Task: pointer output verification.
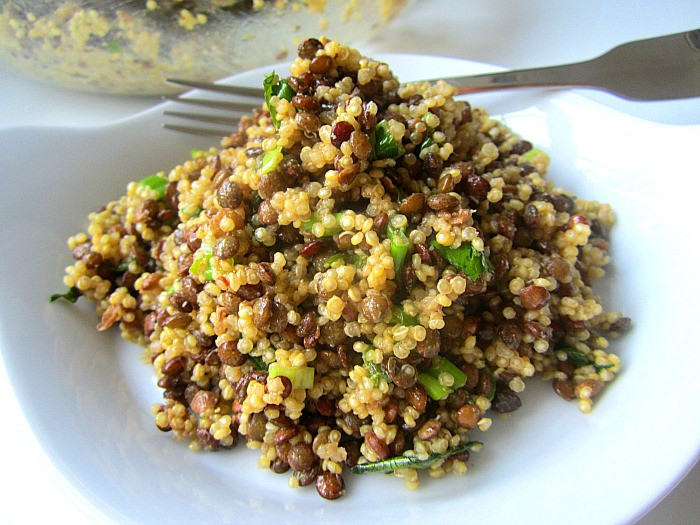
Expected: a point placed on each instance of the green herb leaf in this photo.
(274, 86)
(286, 91)
(376, 371)
(333, 258)
(385, 147)
(492, 392)
(425, 144)
(258, 363)
(579, 359)
(424, 118)
(466, 259)
(71, 295)
(157, 183)
(391, 464)
(576, 357)
(401, 317)
(124, 265)
(113, 47)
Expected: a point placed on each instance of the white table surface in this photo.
(503, 32)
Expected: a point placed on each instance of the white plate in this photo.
(86, 394)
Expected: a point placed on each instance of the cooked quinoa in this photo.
(360, 281)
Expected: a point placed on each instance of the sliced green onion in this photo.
(300, 376)
(430, 379)
(270, 160)
(71, 295)
(309, 225)
(202, 262)
(274, 86)
(466, 258)
(157, 183)
(440, 365)
(170, 289)
(533, 154)
(399, 246)
(192, 211)
(391, 464)
(385, 147)
(197, 154)
(433, 387)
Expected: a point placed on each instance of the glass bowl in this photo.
(132, 46)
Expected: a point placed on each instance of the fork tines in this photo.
(236, 109)
(217, 104)
(229, 122)
(219, 88)
(212, 119)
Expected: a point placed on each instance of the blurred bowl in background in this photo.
(132, 46)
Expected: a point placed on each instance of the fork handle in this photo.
(661, 68)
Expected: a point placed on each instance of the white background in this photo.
(507, 33)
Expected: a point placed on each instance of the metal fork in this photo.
(660, 68)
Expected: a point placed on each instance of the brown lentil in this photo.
(377, 445)
(305, 103)
(226, 247)
(267, 214)
(564, 389)
(341, 132)
(320, 64)
(374, 307)
(430, 346)
(301, 457)
(442, 201)
(468, 416)
(229, 194)
(412, 204)
(534, 297)
(417, 398)
(330, 486)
